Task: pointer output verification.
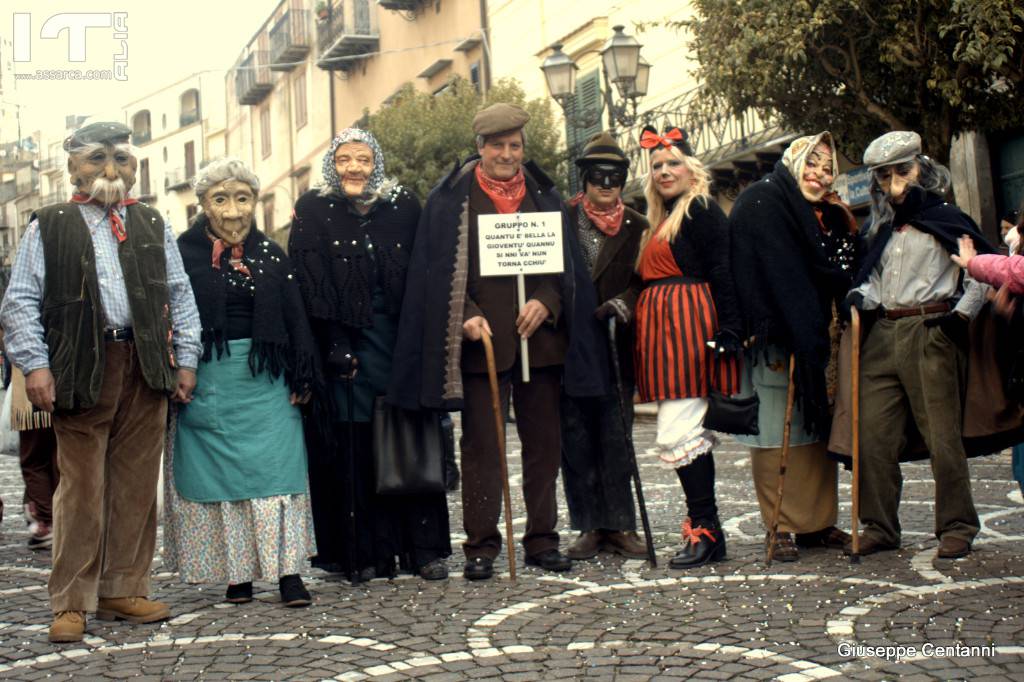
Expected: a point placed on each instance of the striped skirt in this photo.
(674, 321)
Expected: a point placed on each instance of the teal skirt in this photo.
(240, 438)
(771, 381)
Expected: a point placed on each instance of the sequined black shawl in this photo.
(788, 273)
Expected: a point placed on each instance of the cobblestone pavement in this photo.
(609, 618)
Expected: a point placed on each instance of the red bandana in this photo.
(237, 251)
(506, 194)
(116, 224)
(608, 220)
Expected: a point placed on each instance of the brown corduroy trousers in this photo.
(37, 449)
(104, 510)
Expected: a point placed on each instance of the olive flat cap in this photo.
(602, 148)
(499, 118)
(103, 132)
(898, 146)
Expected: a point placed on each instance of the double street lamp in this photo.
(621, 65)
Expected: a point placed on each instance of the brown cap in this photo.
(602, 148)
(499, 118)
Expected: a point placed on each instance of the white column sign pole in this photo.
(521, 244)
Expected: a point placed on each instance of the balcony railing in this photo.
(725, 143)
(177, 178)
(51, 164)
(252, 80)
(400, 5)
(350, 31)
(54, 198)
(26, 188)
(141, 136)
(188, 118)
(289, 40)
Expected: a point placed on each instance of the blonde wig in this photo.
(666, 226)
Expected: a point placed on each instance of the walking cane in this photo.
(855, 444)
(786, 426)
(350, 390)
(499, 424)
(630, 450)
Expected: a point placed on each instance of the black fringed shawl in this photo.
(337, 273)
(788, 274)
(282, 342)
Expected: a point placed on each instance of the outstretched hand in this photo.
(967, 252)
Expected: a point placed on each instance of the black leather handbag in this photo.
(727, 414)
(408, 450)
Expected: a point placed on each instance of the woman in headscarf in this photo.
(793, 258)
(236, 501)
(350, 241)
(687, 301)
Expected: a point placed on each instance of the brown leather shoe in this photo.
(585, 546)
(868, 545)
(831, 537)
(132, 609)
(785, 548)
(953, 548)
(625, 543)
(68, 626)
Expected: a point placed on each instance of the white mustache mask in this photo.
(108, 192)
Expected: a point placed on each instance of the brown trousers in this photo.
(37, 449)
(906, 369)
(105, 506)
(537, 422)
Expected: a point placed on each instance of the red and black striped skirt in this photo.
(674, 322)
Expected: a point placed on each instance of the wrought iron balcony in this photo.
(399, 5)
(188, 118)
(177, 179)
(350, 30)
(27, 188)
(51, 164)
(252, 80)
(289, 40)
(735, 148)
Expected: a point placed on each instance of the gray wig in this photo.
(933, 177)
(220, 170)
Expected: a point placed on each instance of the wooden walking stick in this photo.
(630, 449)
(786, 427)
(855, 444)
(499, 424)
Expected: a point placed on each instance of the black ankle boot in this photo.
(703, 543)
(239, 593)
(293, 592)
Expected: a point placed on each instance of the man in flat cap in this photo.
(596, 469)
(917, 307)
(448, 306)
(100, 317)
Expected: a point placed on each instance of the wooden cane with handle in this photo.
(786, 427)
(499, 424)
(855, 442)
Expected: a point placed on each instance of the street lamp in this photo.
(621, 64)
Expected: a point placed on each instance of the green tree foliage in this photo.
(423, 135)
(862, 67)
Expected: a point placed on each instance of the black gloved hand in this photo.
(854, 299)
(341, 363)
(953, 325)
(727, 341)
(613, 306)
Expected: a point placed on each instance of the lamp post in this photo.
(621, 65)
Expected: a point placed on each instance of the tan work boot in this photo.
(585, 546)
(624, 542)
(68, 626)
(132, 609)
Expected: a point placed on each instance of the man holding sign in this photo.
(494, 256)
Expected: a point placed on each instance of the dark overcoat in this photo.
(427, 363)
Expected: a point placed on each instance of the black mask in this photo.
(605, 175)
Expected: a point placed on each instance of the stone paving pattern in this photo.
(608, 619)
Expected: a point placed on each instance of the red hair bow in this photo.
(650, 139)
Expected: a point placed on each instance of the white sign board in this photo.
(520, 243)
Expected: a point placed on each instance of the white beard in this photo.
(108, 192)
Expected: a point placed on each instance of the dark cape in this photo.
(282, 342)
(929, 213)
(427, 370)
(787, 282)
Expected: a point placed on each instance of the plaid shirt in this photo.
(21, 310)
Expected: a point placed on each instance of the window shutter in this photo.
(587, 102)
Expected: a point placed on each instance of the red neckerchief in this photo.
(506, 194)
(116, 224)
(237, 251)
(608, 220)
